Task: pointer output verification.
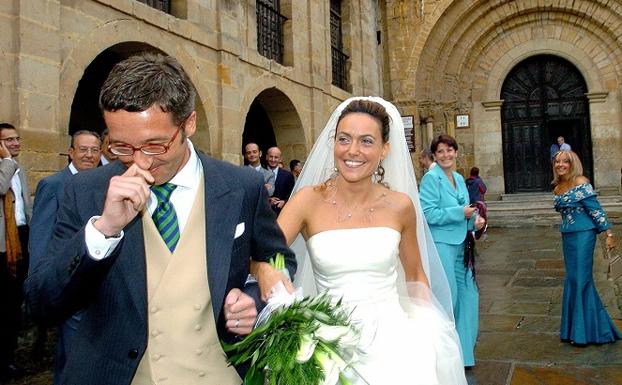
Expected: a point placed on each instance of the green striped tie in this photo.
(164, 215)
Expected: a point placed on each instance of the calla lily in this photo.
(307, 347)
(330, 368)
(350, 339)
(329, 333)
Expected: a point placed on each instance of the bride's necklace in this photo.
(345, 211)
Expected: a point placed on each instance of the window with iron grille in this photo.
(270, 29)
(339, 58)
(161, 5)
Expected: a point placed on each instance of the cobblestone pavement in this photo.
(520, 273)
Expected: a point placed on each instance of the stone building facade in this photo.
(55, 54)
(524, 71)
(521, 71)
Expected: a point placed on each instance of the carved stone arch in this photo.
(276, 106)
(579, 58)
(123, 34)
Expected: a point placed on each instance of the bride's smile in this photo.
(359, 147)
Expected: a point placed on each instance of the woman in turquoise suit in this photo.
(445, 203)
(584, 318)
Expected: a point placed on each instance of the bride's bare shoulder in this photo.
(308, 194)
(402, 201)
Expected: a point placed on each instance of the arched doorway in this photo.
(272, 120)
(85, 113)
(543, 98)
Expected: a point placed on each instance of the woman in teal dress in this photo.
(584, 318)
(445, 203)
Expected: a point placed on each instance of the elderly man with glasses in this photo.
(157, 250)
(84, 153)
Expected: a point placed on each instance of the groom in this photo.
(156, 250)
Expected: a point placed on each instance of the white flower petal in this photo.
(329, 367)
(307, 347)
(329, 333)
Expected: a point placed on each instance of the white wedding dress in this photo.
(402, 342)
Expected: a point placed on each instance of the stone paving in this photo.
(520, 274)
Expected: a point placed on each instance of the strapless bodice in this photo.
(357, 263)
(397, 338)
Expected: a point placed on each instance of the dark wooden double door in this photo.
(543, 98)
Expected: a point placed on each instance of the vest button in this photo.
(199, 352)
(201, 374)
(197, 307)
(156, 357)
(133, 354)
(197, 327)
(154, 309)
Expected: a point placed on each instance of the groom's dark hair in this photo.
(148, 79)
(371, 108)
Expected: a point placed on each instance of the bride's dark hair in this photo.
(377, 112)
(373, 109)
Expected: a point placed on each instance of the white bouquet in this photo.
(305, 341)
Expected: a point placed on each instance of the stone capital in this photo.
(492, 105)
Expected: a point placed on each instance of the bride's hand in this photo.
(268, 277)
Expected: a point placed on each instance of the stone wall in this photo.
(453, 58)
(48, 44)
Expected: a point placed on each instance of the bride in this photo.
(356, 205)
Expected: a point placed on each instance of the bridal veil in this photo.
(400, 176)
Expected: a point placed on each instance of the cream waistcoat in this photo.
(183, 347)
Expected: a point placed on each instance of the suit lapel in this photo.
(133, 265)
(131, 259)
(444, 181)
(222, 206)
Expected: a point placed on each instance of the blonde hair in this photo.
(576, 168)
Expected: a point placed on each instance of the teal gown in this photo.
(584, 317)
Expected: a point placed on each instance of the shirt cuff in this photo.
(98, 245)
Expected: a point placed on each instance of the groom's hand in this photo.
(126, 196)
(240, 312)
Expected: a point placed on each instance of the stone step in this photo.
(540, 211)
(526, 197)
(547, 196)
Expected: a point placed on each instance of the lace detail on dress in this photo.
(580, 209)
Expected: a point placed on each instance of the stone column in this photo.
(605, 124)
(488, 144)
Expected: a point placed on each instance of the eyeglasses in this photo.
(147, 149)
(16, 139)
(85, 150)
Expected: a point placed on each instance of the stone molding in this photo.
(492, 105)
(597, 97)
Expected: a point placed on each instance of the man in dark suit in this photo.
(284, 180)
(15, 213)
(84, 152)
(252, 154)
(156, 251)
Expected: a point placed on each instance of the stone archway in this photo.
(85, 113)
(466, 50)
(272, 120)
(543, 98)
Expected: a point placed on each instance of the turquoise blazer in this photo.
(443, 206)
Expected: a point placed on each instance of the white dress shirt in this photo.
(182, 199)
(73, 169)
(16, 186)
